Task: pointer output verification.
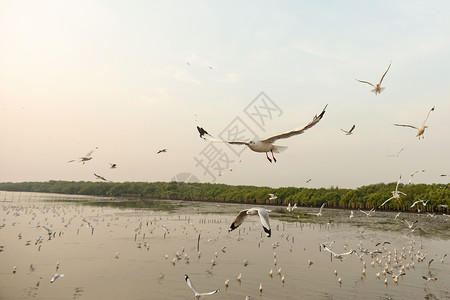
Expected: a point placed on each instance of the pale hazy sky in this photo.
(75, 75)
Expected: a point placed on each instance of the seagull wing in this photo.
(405, 125)
(89, 153)
(386, 201)
(209, 138)
(320, 210)
(208, 293)
(264, 217)
(297, 131)
(239, 219)
(189, 283)
(347, 132)
(353, 127)
(382, 77)
(398, 182)
(365, 82)
(428, 116)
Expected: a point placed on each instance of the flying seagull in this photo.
(396, 155)
(85, 158)
(197, 294)
(265, 145)
(421, 129)
(263, 216)
(112, 166)
(350, 131)
(339, 256)
(320, 210)
(100, 177)
(56, 276)
(368, 214)
(273, 196)
(412, 175)
(161, 151)
(395, 194)
(410, 225)
(377, 89)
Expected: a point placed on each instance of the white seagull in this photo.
(339, 256)
(398, 153)
(368, 214)
(56, 276)
(273, 196)
(100, 177)
(350, 131)
(265, 145)
(85, 158)
(410, 225)
(263, 216)
(412, 175)
(320, 210)
(421, 129)
(424, 202)
(377, 89)
(197, 294)
(395, 194)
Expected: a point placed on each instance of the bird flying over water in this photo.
(421, 129)
(350, 131)
(85, 158)
(265, 145)
(263, 216)
(395, 194)
(56, 276)
(197, 294)
(100, 177)
(377, 89)
(162, 151)
(412, 175)
(396, 155)
(320, 210)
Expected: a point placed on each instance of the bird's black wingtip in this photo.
(201, 131)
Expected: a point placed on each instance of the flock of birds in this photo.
(385, 260)
(392, 262)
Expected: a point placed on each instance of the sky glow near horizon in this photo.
(114, 75)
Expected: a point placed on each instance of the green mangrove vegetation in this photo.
(364, 197)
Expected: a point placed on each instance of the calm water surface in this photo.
(125, 256)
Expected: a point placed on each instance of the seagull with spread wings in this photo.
(421, 129)
(350, 131)
(85, 158)
(339, 256)
(320, 210)
(263, 216)
(412, 175)
(377, 89)
(395, 194)
(197, 294)
(100, 177)
(265, 145)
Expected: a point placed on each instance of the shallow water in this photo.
(141, 271)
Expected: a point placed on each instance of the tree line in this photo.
(365, 197)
